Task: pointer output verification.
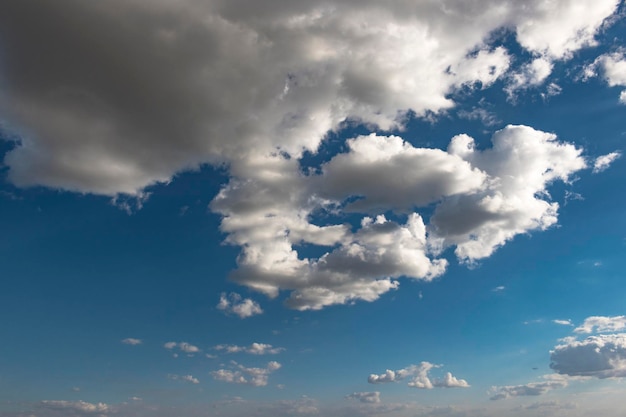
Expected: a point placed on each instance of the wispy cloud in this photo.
(132, 341)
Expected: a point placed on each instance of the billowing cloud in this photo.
(530, 389)
(182, 346)
(602, 324)
(253, 349)
(239, 374)
(253, 87)
(132, 341)
(603, 162)
(602, 356)
(233, 303)
(365, 397)
(419, 377)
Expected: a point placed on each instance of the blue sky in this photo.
(312, 208)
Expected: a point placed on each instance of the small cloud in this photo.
(530, 389)
(76, 407)
(499, 288)
(186, 378)
(602, 324)
(253, 349)
(132, 341)
(182, 346)
(622, 97)
(76, 389)
(603, 162)
(239, 374)
(233, 303)
(536, 321)
(365, 397)
(563, 322)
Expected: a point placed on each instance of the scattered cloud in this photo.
(365, 397)
(233, 303)
(185, 378)
(239, 374)
(132, 341)
(567, 322)
(182, 346)
(532, 388)
(418, 377)
(602, 324)
(254, 349)
(602, 356)
(603, 162)
(76, 408)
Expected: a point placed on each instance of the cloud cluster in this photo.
(253, 349)
(181, 84)
(418, 377)
(256, 377)
(532, 388)
(186, 378)
(602, 324)
(602, 356)
(76, 408)
(233, 303)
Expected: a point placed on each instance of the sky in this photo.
(318, 208)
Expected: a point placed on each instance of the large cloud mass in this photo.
(602, 356)
(110, 97)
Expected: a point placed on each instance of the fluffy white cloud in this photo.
(186, 378)
(365, 397)
(602, 356)
(531, 74)
(532, 388)
(603, 162)
(182, 346)
(418, 377)
(239, 374)
(233, 303)
(132, 341)
(254, 349)
(602, 324)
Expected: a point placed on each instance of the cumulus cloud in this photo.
(602, 356)
(602, 324)
(180, 84)
(365, 397)
(239, 374)
(418, 377)
(530, 389)
(603, 162)
(132, 341)
(254, 349)
(233, 303)
(185, 378)
(182, 346)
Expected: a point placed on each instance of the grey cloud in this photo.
(530, 389)
(365, 397)
(602, 356)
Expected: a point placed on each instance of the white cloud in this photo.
(182, 346)
(233, 303)
(567, 322)
(603, 162)
(531, 74)
(132, 341)
(499, 288)
(186, 378)
(622, 97)
(365, 397)
(77, 407)
(530, 389)
(239, 374)
(254, 349)
(602, 356)
(419, 377)
(602, 324)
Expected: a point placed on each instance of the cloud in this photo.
(256, 377)
(76, 408)
(186, 378)
(180, 84)
(562, 322)
(234, 304)
(365, 397)
(603, 162)
(602, 324)
(530, 389)
(531, 74)
(419, 377)
(602, 356)
(254, 349)
(499, 288)
(132, 341)
(182, 346)
(622, 97)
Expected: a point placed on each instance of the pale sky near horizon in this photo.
(320, 208)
